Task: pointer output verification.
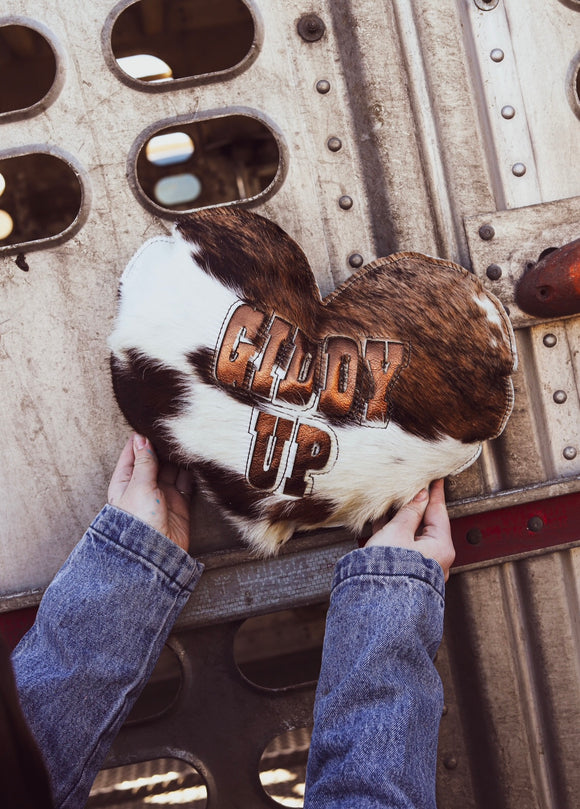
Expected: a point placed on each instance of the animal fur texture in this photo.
(296, 412)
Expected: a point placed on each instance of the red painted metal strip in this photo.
(523, 529)
(14, 625)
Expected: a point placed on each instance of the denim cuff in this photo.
(133, 535)
(390, 561)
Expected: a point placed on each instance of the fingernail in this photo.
(422, 495)
(139, 442)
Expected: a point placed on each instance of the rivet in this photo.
(486, 5)
(508, 112)
(493, 272)
(518, 169)
(355, 260)
(474, 536)
(497, 55)
(323, 86)
(535, 524)
(570, 453)
(334, 144)
(311, 28)
(550, 340)
(450, 762)
(486, 232)
(345, 203)
(560, 396)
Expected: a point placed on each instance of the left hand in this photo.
(422, 525)
(159, 496)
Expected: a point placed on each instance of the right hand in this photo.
(422, 525)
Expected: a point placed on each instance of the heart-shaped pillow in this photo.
(296, 412)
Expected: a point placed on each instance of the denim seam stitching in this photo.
(389, 575)
(148, 562)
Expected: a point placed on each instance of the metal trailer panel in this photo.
(422, 104)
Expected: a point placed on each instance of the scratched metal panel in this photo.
(427, 157)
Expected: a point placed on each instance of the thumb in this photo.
(146, 465)
(410, 516)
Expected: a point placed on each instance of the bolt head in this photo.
(311, 28)
(496, 55)
(570, 453)
(508, 112)
(323, 86)
(493, 272)
(355, 260)
(535, 524)
(345, 202)
(450, 762)
(518, 169)
(474, 536)
(334, 144)
(486, 232)
(550, 340)
(560, 396)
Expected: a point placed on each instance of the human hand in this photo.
(159, 496)
(426, 511)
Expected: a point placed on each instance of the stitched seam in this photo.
(414, 576)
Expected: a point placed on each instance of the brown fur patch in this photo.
(230, 490)
(307, 510)
(257, 259)
(455, 383)
(146, 393)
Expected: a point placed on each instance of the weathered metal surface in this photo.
(551, 288)
(433, 111)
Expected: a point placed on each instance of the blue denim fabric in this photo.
(100, 628)
(379, 698)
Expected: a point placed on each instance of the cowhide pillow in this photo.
(297, 412)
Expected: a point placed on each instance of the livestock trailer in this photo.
(363, 128)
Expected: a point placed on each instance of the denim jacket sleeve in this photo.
(100, 628)
(379, 698)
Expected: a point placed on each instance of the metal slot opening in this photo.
(192, 38)
(209, 162)
(283, 648)
(283, 767)
(27, 66)
(163, 781)
(162, 688)
(41, 198)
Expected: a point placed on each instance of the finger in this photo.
(123, 471)
(410, 516)
(436, 516)
(146, 465)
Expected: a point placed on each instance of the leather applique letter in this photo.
(340, 356)
(240, 342)
(272, 435)
(265, 379)
(384, 359)
(312, 454)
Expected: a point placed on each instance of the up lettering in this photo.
(272, 433)
(312, 455)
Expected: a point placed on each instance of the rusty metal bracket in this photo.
(504, 244)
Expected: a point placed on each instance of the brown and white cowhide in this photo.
(296, 412)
